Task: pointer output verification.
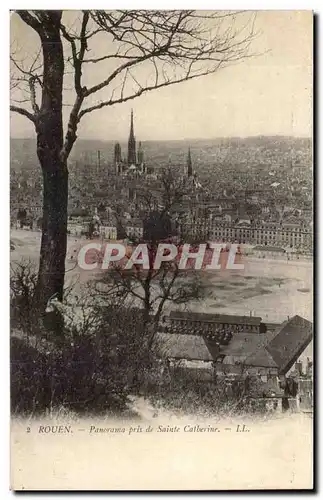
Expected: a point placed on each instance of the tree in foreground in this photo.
(140, 51)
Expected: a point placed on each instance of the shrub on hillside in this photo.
(89, 372)
(23, 280)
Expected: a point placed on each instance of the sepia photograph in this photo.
(161, 250)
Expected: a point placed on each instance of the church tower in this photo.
(132, 160)
(140, 154)
(117, 153)
(117, 158)
(189, 166)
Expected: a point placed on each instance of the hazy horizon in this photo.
(218, 138)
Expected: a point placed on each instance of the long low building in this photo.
(267, 233)
(268, 354)
(201, 323)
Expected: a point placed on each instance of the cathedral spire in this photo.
(131, 144)
(131, 123)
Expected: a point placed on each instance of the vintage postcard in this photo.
(161, 242)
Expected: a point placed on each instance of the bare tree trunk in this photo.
(49, 129)
(54, 233)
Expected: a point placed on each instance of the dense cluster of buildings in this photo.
(279, 357)
(277, 236)
(223, 206)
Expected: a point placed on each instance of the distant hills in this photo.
(23, 151)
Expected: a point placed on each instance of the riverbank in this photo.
(266, 287)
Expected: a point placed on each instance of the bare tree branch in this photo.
(168, 47)
(175, 38)
(31, 20)
(23, 112)
(141, 91)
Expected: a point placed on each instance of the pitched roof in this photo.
(261, 358)
(290, 342)
(244, 344)
(191, 347)
(267, 350)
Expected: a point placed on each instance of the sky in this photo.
(270, 94)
